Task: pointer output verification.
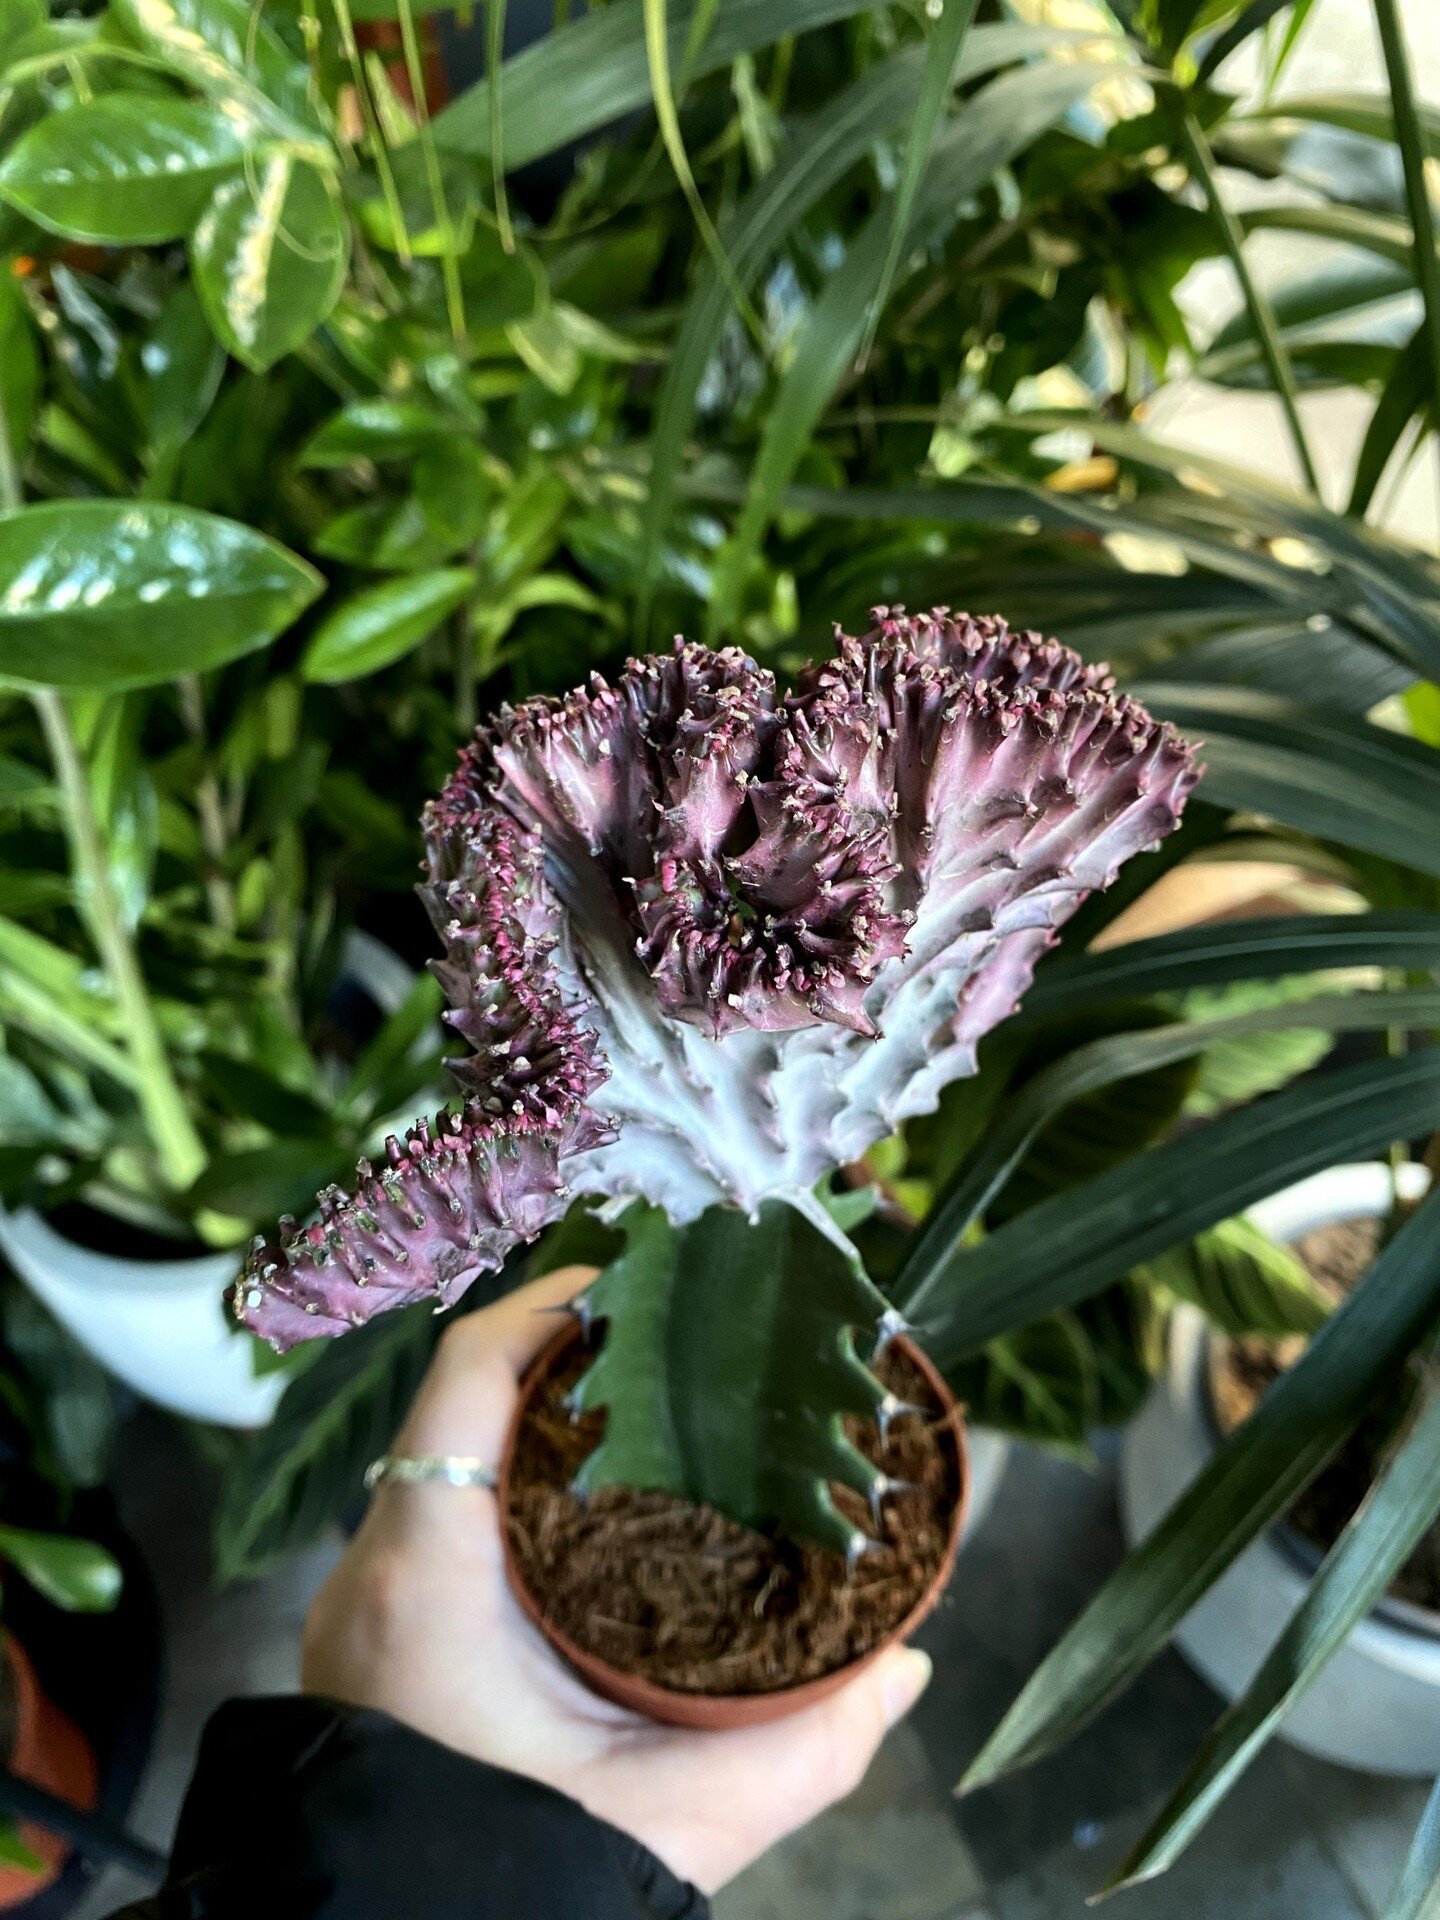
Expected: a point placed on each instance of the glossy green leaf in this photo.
(1068, 1248)
(939, 1260)
(1212, 956)
(1399, 1509)
(1250, 1480)
(375, 430)
(1243, 1281)
(592, 71)
(123, 169)
(269, 256)
(116, 593)
(729, 1364)
(1417, 1893)
(74, 1574)
(181, 364)
(230, 49)
(1326, 774)
(381, 624)
(19, 368)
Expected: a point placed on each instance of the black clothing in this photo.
(301, 1809)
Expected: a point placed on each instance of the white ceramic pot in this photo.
(160, 1325)
(989, 1450)
(1376, 1706)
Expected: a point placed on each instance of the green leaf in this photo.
(381, 624)
(123, 169)
(229, 49)
(270, 254)
(1417, 1896)
(1242, 1280)
(116, 593)
(254, 1094)
(1398, 1510)
(74, 1574)
(74, 1400)
(306, 1468)
(376, 430)
(938, 1255)
(1326, 774)
(1250, 1480)
(257, 1183)
(1065, 1249)
(994, 125)
(1404, 395)
(19, 368)
(593, 71)
(1212, 956)
(728, 1365)
(181, 364)
(941, 56)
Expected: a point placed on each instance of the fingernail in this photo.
(907, 1674)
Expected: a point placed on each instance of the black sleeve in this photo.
(301, 1809)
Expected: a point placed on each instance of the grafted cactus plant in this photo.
(706, 941)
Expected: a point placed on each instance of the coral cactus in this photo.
(706, 940)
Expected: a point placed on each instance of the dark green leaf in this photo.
(123, 169)
(1212, 956)
(115, 593)
(1326, 774)
(74, 1574)
(1250, 1480)
(1401, 1506)
(258, 1183)
(379, 625)
(270, 254)
(181, 364)
(229, 49)
(1405, 393)
(306, 1468)
(1068, 1248)
(1417, 1896)
(1242, 1280)
(375, 430)
(591, 72)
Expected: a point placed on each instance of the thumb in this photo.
(833, 1744)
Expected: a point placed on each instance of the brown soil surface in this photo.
(1240, 1370)
(662, 1587)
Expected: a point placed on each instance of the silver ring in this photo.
(450, 1469)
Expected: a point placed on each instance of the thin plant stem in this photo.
(449, 265)
(210, 809)
(166, 1115)
(389, 191)
(1262, 317)
(1412, 155)
(494, 60)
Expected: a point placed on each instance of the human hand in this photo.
(418, 1620)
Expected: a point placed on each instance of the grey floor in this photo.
(1298, 1840)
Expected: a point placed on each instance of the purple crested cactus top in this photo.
(706, 941)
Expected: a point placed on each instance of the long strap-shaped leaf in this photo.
(1251, 1479)
(1417, 1896)
(1402, 397)
(595, 71)
(1400, 1508)
(1213, 956)
(1070, 1246)
(1398, 585)
(1326, 774)
(1121, 1056)
(990, 129)
(1410, 140)
(942, 54)
(819, 152)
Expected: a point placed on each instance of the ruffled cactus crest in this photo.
(706, 940)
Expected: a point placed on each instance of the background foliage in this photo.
(354, 380)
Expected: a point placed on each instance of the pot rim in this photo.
(673, 1705)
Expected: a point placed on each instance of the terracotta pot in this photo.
(49, 1751)
(711, 1710)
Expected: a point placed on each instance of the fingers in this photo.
(467, 1397)
(761, 1783)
